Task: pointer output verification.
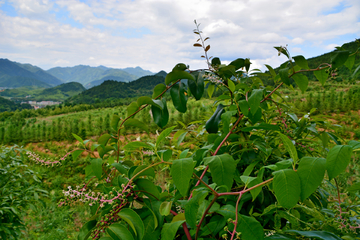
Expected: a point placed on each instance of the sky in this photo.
(158, 34)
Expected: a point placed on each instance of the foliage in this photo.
(8, 105)
(18, 189)
(253, 170)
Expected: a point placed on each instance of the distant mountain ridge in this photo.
(13, 74)
(92, 76)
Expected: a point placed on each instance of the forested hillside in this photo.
(7, 105)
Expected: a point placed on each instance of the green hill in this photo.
(114, 90)
(9, 106)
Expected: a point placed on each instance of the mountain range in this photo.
(14, 75)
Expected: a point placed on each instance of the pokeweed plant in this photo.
(256, 170)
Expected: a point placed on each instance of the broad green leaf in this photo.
(284, 75)
(147, 100)
(338, 58)
(302, 81)
(176, 75)
(231, 85)
(148, 187)
(322, 75)
(132, 122)
(215, 62)
(165, 208)
(178, 97)
(244, 107)
(134, 221)
(120, 168)
(222, 169)
(238, 63)
(140, 170)
(354, 187)
(169, 230)
(179, 137)
(75, 154)
(254, 118)
(354, 144)
(115, 122)
(287, 187)
(160, 116)
(85, 230)
(228, 211)
(278, 236)
(192, 206)
(271, 70)
(350, 61)
(355, 73)
(179, 217)
(301, 62)
(211, 89)
(150, 233)
(181, 172)
(254, 100)
(132, 108)
(337, 160)
(104, 139)
(289, 146)
(158, 89)
(212, 125)
(78, 138)
(250, 228)
(226, 118)
(316, 234)
(119, 232)
(131, 146)
(256, 191)
(311, 172)
(197, 87)
(96, 165)
(163, 135)
(180, 67)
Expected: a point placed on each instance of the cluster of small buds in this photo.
(149, 153)
(345, 222)
(213, 78)
(50, 163)
(90, 197)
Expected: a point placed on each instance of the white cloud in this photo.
(237, 28)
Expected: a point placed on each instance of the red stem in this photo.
(184, 226)
(236, 217)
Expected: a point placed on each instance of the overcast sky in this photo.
(157, 34)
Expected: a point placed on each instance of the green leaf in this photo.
(250, 228)
(338, 58)
(254, 100)
(337, 160)
(96, 165)
(148, 186)
(350, 61)
(287, 187)
(244, 107)
(75, 154)
(161, 116)
(169, 230)
(78, 138)
(115, 122)
(222, 169)
(131, 146)
(158, 89)
(150, 225)
(163, 135)
(120, 168)
(289, 146)
(165, 208)
(231, 85)
(197, 87)
(322, 75)
(354, 187)
(132, 122)
(181, 172)
(311, 172)
(119, 232)
(134, 221)
(132, 108)
(284, 75)
(176, 75)
(316, 234)
(179, 137)
(104, 139)
(147, 100)
(178, 97)
(148, 172)
(211, 89)
(301, 61)
(85, 230)
(302, 81)
(215, 62)
(192, 206)
(212, 125)
(271, 70)
(238, 63)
